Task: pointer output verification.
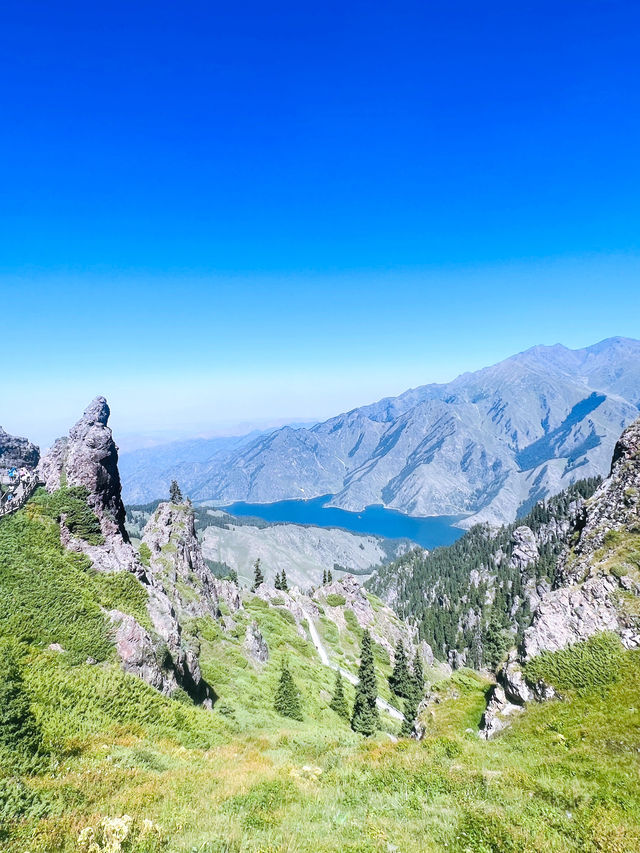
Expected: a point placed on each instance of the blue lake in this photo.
(429, 532)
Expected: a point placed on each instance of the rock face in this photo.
(17, 452)
(383, 624)
(255, 644)
(590, 599)
(525, 549)
(176, 562)
(137, 653)
(89, 458)
(599, 584)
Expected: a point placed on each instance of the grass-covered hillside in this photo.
(95, 760)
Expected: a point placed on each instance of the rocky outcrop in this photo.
(89, 458)
(176, 563)
(163, 657)
(508, 697)
(17, 452)
(137, 653)
(594, 573)
(385, 627)
(255, 644)
(525, 548)
(615, 506)
(599, 581)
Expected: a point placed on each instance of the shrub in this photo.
(79, 518)
(352, 622)
(335, 600)
(145, 554)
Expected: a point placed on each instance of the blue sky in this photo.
(217, 214)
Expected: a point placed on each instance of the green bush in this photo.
(145, 554)
(71, 502)
(596, 661)
(335, 600)
(352, 622)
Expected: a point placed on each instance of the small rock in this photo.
(255, 644)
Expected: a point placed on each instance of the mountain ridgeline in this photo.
(488, 445)
(475, 598)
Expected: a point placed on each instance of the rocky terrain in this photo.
(485, 586)
(17, 452)
(597, 588)
(487, 445)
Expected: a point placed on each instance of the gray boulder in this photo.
(525, 549)
(255, 644)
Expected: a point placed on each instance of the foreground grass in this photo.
(564, 777)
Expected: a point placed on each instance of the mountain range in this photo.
(485, 446)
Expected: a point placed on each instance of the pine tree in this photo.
(277, 582)
(418, 674)
(494, 641)
(284, 585)
(174, 493)
(258, 577)
(400, 679)
(324, 577)
(339, 701)
(410, 713)
(329, 576)
(365, 714)
(287, 701)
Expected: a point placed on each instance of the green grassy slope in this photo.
(241, 778)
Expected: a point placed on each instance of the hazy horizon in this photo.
(130, 438)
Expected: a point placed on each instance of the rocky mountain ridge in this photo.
(487, 445)
(597, 586)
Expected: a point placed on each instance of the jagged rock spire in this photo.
(89, 457)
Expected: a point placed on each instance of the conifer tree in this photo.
(284, 585)
(287, 701)
(494, 641)
(174, 493)
(400, 680)
(324, 577)
(277, 582)
(365, 714)
(413, 700)
(258, 577)
(329, 576)
(410, 713)
(339, 701)
(418, 674)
